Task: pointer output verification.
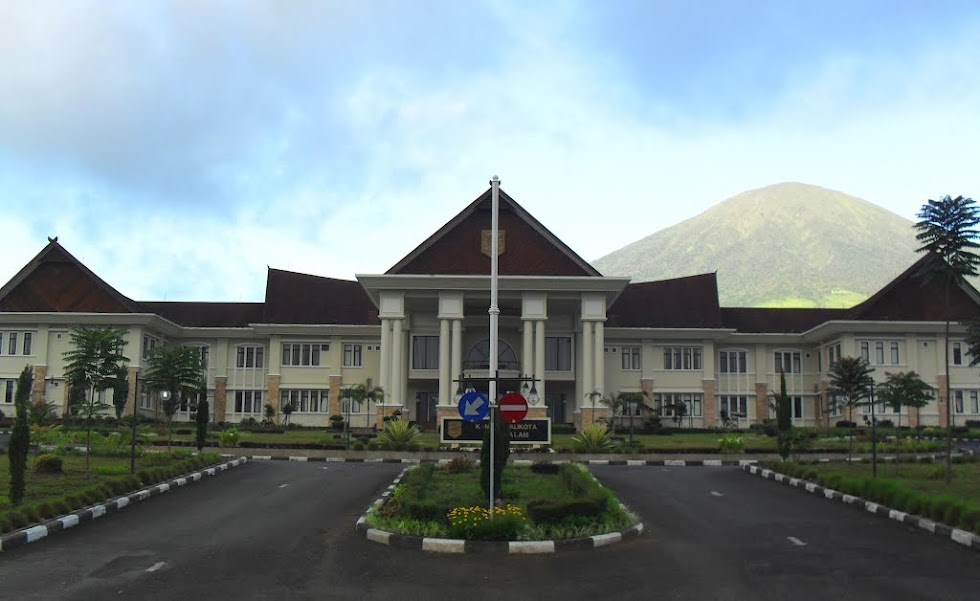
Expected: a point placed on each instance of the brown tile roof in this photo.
(777, 321)
(529, 247)
(207, 315)
(55, 281)
(689, 302)
(307, 299)
(909, 298)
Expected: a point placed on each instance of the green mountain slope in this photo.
(787, 245)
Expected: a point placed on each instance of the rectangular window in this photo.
(8, 395)
(205, 357)
(425, 352)
(251, 356)
(874, 352)
(974, 402)
(865, 353)
(957, 354)
(305, 401)
(558, 353)
(880, 353)
(631, 358)
(248, 401)
(788, 362)
(819, 362)
(957, 401)
(352, 355)
(678, 404)
(28, 339)
(734, 405)
(797, 407)
(894, 353)
(733, 362)
(303, 355)
(12, 344)
(682, 358)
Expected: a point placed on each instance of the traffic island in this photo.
(464, 517)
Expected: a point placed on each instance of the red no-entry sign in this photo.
(513, 407)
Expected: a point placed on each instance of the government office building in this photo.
(422, 326)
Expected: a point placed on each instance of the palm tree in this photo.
(178, 371)
(947, 229)
(367, 392)
(850, 386)
(91, 365)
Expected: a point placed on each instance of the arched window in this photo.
(479, 356)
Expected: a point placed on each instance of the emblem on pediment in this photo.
(485, 242)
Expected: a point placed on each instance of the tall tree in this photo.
(20, 439)
(177, 371)
(850, 386)
(905, 389)
(784, 418)
(947, 228)
(91, 364)
(120, 390)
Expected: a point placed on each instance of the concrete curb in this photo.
(967, 539)
(410, 461)
(36, 532)
(446, 545)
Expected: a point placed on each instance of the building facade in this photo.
(422, 328)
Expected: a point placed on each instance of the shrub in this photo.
(49, 463)
(459, 465)
(229, 437)
(593, 438)
(477, 523)
(398, 435)
(731, 443)
(843, 423)
(548, 511)
(545, 468)
(886, 423)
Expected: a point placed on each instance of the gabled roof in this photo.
(529, 248)
(908, 298)
(751, 320)
(206, 315)
(689, 302)
(55, 281)
(297, 298)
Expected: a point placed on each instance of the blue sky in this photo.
(180, 148)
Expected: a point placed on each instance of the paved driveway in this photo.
(277, 530)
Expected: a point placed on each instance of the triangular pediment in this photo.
(462, 246)
(910, 297)
(55, 281)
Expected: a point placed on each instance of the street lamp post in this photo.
(347, 410)
(132, 439)
(632, 409)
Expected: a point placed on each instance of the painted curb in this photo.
(413, 461)
(34, 533)
(448, 545)
(962, 537)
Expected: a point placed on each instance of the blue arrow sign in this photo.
(473, 406)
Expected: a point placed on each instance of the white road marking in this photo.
(323, 468)
(796, 541)
(716, 493)
(156, 566)
(283, 485)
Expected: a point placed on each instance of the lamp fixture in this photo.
(532, 396)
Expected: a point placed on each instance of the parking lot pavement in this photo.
(283, 530)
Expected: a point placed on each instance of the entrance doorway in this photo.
(556, 406)
(425, 409)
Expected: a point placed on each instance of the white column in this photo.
(527, 357)
(384, 379)
(445, 378)
(600, 358)
(457, 345)
(396, 362)
(588, 364)
(539, 355)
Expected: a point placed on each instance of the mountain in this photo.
(787, 245)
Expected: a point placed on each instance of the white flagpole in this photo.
(494, 315)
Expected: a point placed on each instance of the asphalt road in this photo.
(277, 530)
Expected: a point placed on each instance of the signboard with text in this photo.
(528, 431)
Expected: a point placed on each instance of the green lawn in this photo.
(49, 495)
(916, 488)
